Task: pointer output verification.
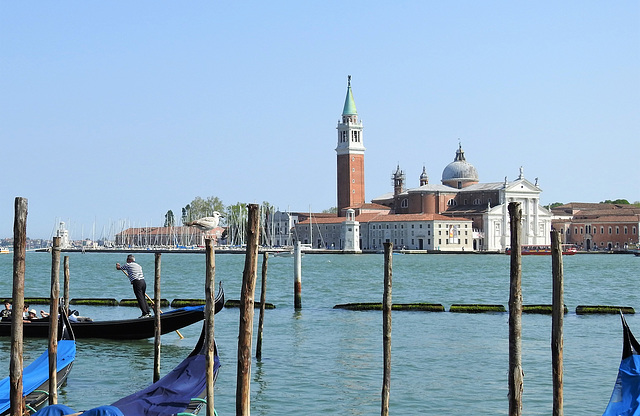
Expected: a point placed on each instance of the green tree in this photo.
(199, 208)
(555, 204)
(169, 219)
(332, 210)
(616, 201)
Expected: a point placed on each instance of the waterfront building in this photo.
(459, 213)
(597, 227)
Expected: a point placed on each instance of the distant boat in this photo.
(625, 399)
(4, 250)
(542, 250)
(285, 254)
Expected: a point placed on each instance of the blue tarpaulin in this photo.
(626, 392)
(38, 372)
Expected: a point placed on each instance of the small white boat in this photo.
(4, 250)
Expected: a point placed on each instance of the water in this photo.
(322, 360)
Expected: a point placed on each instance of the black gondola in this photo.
(138, 328)
(35, 377)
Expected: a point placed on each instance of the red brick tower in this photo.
(350, 151)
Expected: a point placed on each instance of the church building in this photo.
(458, 214)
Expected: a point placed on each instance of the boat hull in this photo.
(139, 328)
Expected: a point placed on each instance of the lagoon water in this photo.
(321, 360)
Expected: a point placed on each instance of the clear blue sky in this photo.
(119, 110)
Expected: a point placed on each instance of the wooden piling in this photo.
(557, 322)
(210, 283)
(263, 291)
(297, 275)
(19, 254)
(53, 321)
(157, 345)
(246, 313)
(386, 327)
(66, 285)
(516, 373)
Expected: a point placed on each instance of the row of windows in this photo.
(451, 203)
(594, 230)
(439, 225)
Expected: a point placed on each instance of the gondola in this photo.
(138, 328)
(181, 392)
(625, 399)
(35, 377)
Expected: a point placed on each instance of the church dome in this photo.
(459, 173)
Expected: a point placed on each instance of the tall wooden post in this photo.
(516, 374)
(19, 254)
(263, 299)
(157, 344)
(210, 283)
(66, 285)
(297, 275)
(246, 313)
(557, 320)
(386, 327)
(53, 321)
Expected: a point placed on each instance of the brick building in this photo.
(592, 226)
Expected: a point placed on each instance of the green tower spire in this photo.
(349, 104)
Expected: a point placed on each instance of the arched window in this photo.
(404, 203)
(452, 202)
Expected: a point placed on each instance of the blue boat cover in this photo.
(61, 410)
(172, 393)
(186, 308)
(55, 410)
(168, 396)
(626, 392)
(38, 372)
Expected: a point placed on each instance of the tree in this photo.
(169, 219)
(555, 204)
(617, 201)
(199, 208)
(332, 210)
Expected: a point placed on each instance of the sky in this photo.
(113, 113)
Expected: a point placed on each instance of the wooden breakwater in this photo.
(483, 308)
(175, 303)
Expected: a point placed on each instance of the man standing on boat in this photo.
(134, 272)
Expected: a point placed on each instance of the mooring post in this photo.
(557, 321)
(209, 314)
(386, 327)
(53, 321)
(246, 313)
(263, 296)
(297, 275)
(157, 345)
(19, 254)
(516, 374)
(66, 285)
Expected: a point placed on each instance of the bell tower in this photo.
(350, 153)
